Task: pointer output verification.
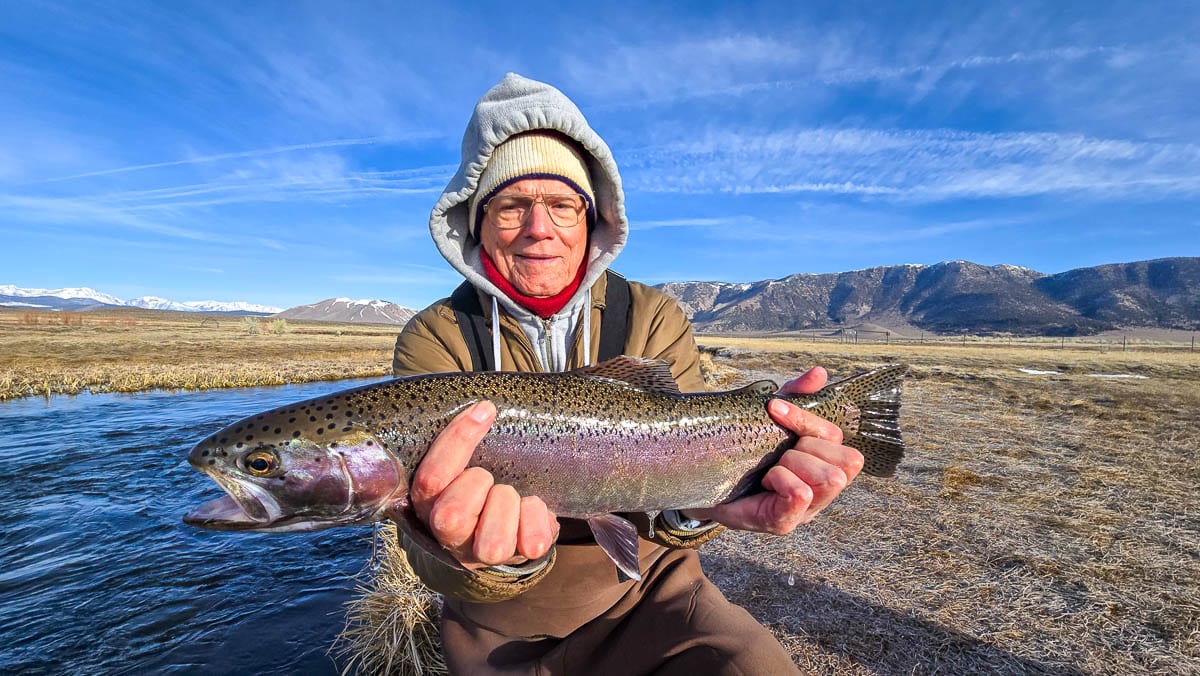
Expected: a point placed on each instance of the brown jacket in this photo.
(432, 343)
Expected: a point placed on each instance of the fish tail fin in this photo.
(874, 399)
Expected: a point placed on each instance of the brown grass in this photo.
(130, 350)
(1038, 524)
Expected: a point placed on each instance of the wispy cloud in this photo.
(685, 223)
(220, 157)
(923, 165)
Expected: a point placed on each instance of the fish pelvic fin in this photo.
(874, 400)
(618, 537)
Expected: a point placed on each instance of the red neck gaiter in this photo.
(542, 307)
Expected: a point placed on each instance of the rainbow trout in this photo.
(615, 437)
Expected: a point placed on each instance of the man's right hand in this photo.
(481, 523)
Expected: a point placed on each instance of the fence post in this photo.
(1064, 343)
(887, 337)
(856, 337)
(1122, 342)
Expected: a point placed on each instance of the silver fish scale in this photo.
(585, 445)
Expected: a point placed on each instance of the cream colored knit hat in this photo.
(534, 154)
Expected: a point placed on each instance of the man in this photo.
(532, 220)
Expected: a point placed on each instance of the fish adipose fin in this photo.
(876, 396)
(652, 375)
(618, 537)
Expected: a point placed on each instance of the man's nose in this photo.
(538, 222)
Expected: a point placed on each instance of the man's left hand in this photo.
(804, 481)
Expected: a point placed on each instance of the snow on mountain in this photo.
(220, 306)
(156, 303)
(83, 293)
(346, 310)
(83, 298)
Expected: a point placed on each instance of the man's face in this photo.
(539, 258)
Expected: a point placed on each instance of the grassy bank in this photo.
(129, 350)
(1040, 522)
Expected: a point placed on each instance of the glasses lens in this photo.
(511, 211)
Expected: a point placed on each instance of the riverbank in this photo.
(43, 353)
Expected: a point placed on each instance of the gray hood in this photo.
(513, 106)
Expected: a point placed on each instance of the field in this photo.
(44, 353)
(1041, 522)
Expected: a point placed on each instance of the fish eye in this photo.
(260, 462)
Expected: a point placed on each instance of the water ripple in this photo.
(98, 573)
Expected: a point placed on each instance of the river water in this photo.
(98, 574)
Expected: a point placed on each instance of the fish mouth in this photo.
(244, 506)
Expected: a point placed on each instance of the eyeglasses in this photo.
(510, 211)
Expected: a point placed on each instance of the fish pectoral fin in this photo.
(618, 537)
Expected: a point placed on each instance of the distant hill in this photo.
(83, 298)
(956, 296)
(346, 310)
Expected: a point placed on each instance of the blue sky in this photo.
(282, 152)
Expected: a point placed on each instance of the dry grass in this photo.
(391, 626)
(1040, 524)
(131, 350)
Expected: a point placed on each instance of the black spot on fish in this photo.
(278, 430)
(204, 453)
(370, 443)
(295, 433)
(312, 418)
(347, 428)
(249, 437)
(291, 420)
(320, 430)
(238, 445)
(212, 462)
(333, 444)
(223, 440)
(266, 428)
(329, 416)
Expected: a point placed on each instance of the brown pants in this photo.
(673, 622)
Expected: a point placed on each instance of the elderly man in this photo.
(532, 220)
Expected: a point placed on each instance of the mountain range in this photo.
(956, 296)
(947, 297)
(346, 310)
(83, 298)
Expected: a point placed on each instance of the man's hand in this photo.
(480, 522)
(808, 476)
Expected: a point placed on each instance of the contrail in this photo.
(225, 156)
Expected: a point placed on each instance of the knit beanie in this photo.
(535, 154)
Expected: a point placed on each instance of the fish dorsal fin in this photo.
(762, 388)
(652, 375)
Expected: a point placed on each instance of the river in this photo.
(98, 574)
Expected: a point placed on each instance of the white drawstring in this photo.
(587, 329)
(495, 333)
